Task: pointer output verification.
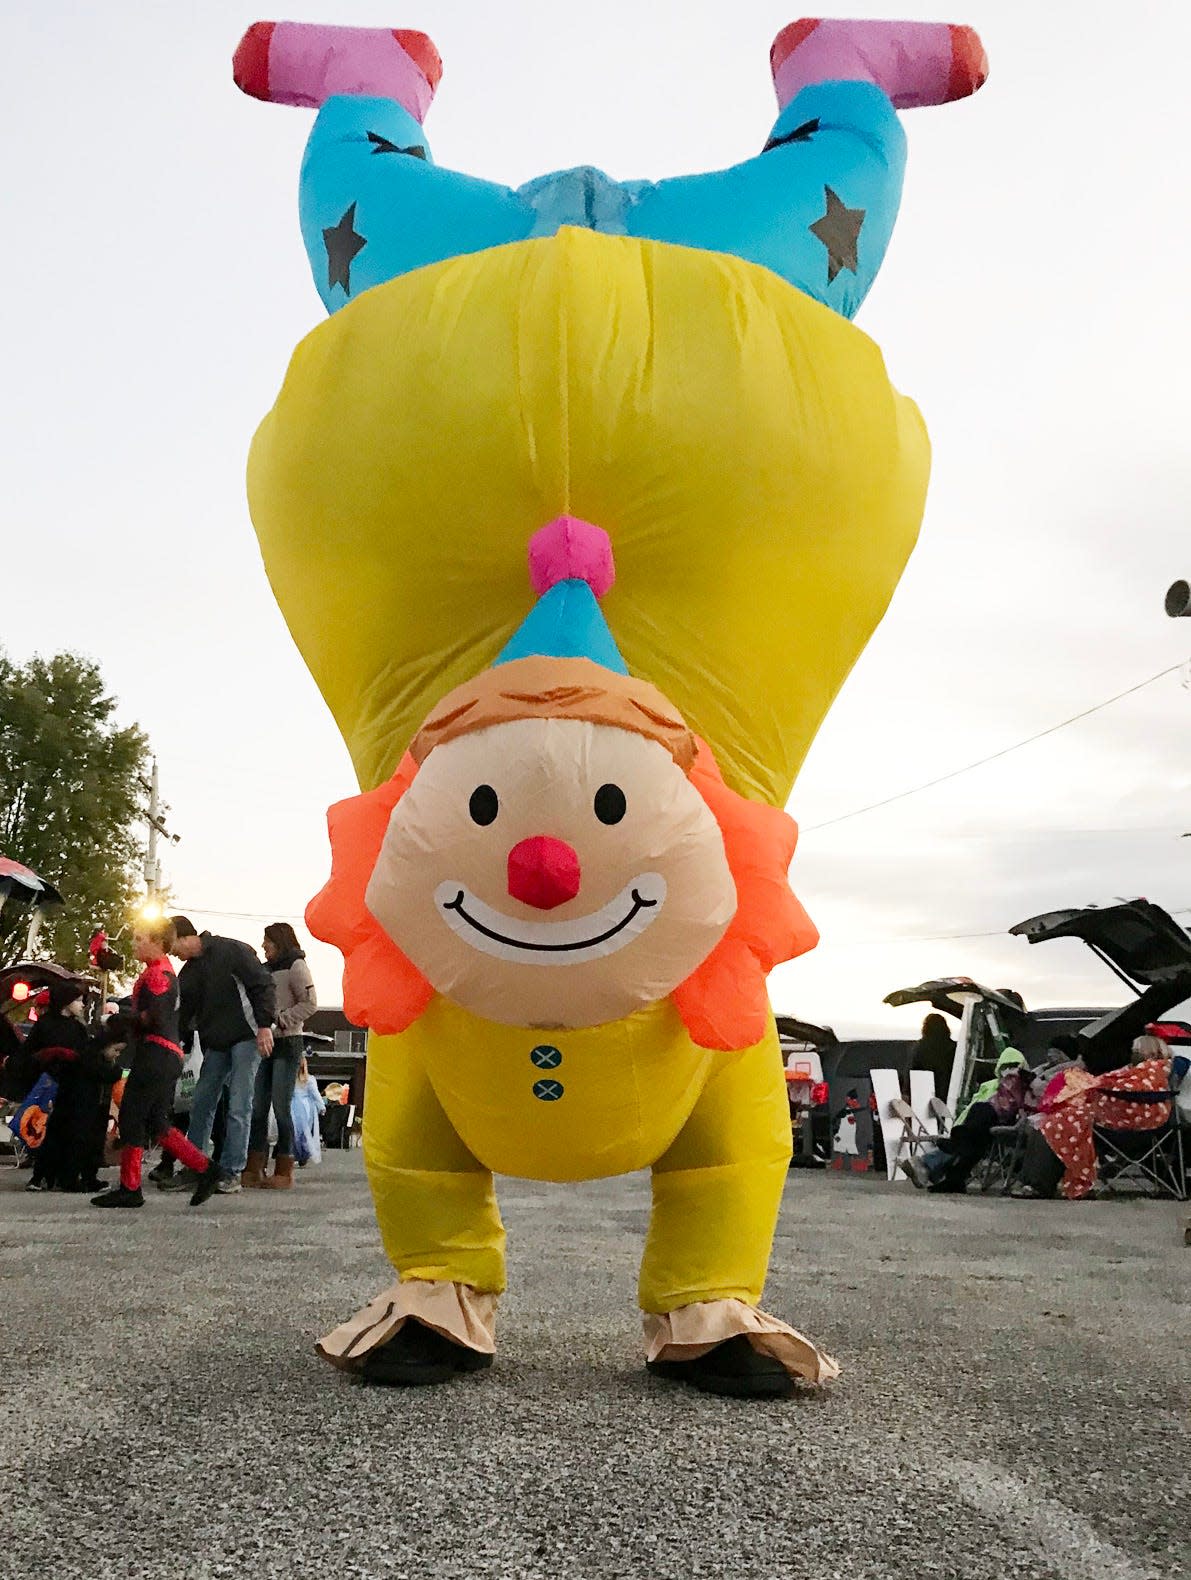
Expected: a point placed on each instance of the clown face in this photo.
(552, 873)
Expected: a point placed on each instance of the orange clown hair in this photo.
(723, 1004)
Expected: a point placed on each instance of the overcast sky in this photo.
(1033, 303)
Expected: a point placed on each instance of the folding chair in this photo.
(1155, 1156)
(10, 1142)
(914, 1134)
(941, 1114)
(1003, 1161)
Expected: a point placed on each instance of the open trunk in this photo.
(1144, 946)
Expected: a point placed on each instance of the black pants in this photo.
(147, 1107)
(275, 1080)
(72, 1152)
(966, 1145)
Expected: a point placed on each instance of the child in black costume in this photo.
(59, 1044)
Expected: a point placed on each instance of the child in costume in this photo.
(308, 1104)
(85, 1071)
(155, 1059)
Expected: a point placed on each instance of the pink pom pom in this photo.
(568, 549)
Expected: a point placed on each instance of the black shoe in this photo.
(39, 1185)
(733, 1368)
(418, 1356)
(184, 1179)
(209, 1182)
(119, 1196)
(164, 1171)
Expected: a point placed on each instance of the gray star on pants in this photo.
(342, 242)
(839, 231)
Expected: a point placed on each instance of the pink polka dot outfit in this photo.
(1067, 1129)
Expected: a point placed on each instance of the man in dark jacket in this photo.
(228, 998)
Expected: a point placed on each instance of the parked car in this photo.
(1140, 942)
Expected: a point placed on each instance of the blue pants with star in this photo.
(817, 206)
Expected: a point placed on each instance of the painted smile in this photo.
(553, 943)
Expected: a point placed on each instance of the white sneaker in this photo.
(229, 1186)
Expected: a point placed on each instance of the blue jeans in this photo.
(275, 1080)
(235, 1068)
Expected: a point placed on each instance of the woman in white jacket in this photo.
(277, 1073)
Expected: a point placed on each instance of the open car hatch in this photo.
(949, 994)
(1146, 948)
(1138, 939)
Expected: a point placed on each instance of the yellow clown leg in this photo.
(716, 1196)
(438, 1218)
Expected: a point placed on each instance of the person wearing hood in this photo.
(277, 1072)
(61, 1046)
(1003, 1098)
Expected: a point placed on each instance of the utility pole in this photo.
(155, 817)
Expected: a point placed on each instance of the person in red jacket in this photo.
(146, 1109)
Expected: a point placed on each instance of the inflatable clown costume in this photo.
(560, 893)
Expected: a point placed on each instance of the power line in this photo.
(178, 909)
(992, 757)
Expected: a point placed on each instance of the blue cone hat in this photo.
(571, 568)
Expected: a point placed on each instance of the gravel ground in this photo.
(1014, 1400)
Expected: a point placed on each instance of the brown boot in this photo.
(282, 1177)
(254, 1170)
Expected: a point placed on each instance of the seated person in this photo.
(999, 1101)
(1064, 1153)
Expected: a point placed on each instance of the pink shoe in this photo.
(915, 63)
(305, 63)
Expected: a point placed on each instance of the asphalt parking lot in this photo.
(1014, 1399)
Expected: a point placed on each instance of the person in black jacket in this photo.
(228, 998)
(20, 1066)
(12, 1070)
(85, 1071)
(150, 1029)
(935, 1051)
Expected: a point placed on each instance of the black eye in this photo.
(483, 805)
(610, 804)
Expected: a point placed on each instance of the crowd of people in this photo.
(247, 1016)
(254, 1094)
(1057, 1108)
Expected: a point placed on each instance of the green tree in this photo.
(70, 800)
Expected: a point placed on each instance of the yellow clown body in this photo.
(563, 884)
(761, 480)
(628, 1093)
(451, 1102)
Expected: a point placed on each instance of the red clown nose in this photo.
(543, 872)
